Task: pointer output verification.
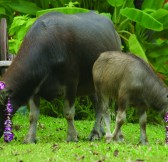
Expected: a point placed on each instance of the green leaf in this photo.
(30, 22)
(24, 7)
(166, 6)
(65, 10)
(45, 4)
(136, 48)
(162, 16)
(2, 11)
(115, 3)
(144, 19)
(152, 4)
(21, 33)
(160, 52)
(108, 15)
(129, 3)
(14, 45)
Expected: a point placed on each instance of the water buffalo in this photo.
(128, 80)
(56, 59)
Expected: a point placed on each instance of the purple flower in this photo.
(9, 110)
(9, 105)
(8, 121)
(2, 85)
(166, 117)
(9, 128)
(8, 136)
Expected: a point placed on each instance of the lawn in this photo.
(52, 146)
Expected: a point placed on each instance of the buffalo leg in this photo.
(117, 135)
(33, 117)
(107, 118)
(142, 123)
(120, 118)
(69, 111)
(98, 128)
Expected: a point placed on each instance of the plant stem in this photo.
(123, 23)
(124, 31)
(124, 38)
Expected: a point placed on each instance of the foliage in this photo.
(17, 31)
(147, 40)
(83, 108)
(65, 10)
(11, 8)
(54, 108)
(51, 144)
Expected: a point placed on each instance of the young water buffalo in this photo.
(127, 79)
(56, 59)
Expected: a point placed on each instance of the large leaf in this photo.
(2, 11)
(115, 3)
(24, 7)
(160, 52)
(141, 17)
(152, 4)
(136, 48)
(65, 10)
(162, 16)
(159, 58)
(129, 3)
(45, 4)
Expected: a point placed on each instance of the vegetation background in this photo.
(143, 28)
(141, 24)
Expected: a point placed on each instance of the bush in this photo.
(83, 108)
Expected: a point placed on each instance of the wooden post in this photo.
(4, 62)
(3, 39)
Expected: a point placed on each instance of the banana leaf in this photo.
(2, 11)
(159, 52)
(59, 3)
(141, 17)
(129, 3)
(162, 16)
(165, 6)
(115, 3)
(159, 58)
(152, 4)
(24, 7)
(45, 4)
(136, 48)
(65, 10)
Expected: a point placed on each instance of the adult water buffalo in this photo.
(56, 59)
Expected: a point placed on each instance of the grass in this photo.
(52, 146)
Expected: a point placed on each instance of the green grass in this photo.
(52, 146)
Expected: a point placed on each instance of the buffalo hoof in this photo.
(109, 138)
(72, 139)
(118, 138)
(28, 140)
(95, 135)
(143, 142)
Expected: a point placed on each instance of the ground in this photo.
(52, 146)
